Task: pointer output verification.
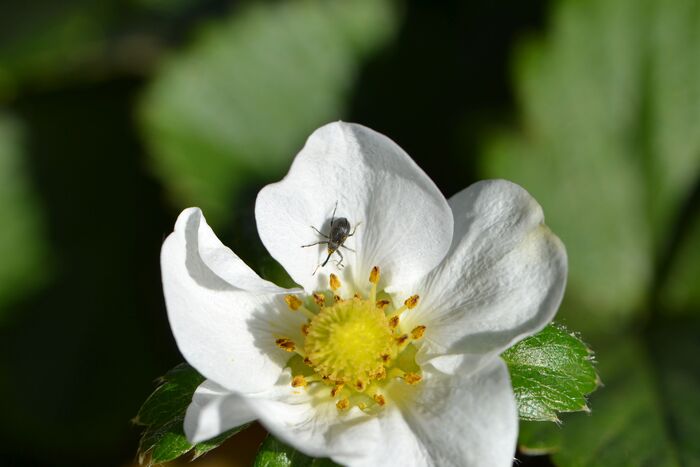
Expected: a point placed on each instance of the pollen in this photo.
(412, 378)
(299, 382)
(417, 332)
(353, 346)
(346, 341)
(334, 282)
(379, 399)
(374, 275)
(411, 302)
(293, 302)
(285, 344)
(343, 404)
(319, 298)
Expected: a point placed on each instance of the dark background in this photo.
(81, 348)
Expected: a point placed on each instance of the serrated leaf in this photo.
(609, 102)
(551, 372)
(163, 415)
(242, 99)
(22, 246)
(646, 414)
(274, 453)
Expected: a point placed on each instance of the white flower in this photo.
(392, 359)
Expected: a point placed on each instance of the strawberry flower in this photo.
(389, 355)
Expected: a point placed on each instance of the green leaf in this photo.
(24, 265)
(608, 144)
(552, 371)
(242, 99)
(163, 415)
(274, 453)
(646, 414)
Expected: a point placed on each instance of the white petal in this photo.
(352, 438)
(403, 222)
(214, 410)
(224, 318)
(503, 278)
(463, 420)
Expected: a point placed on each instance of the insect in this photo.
(340, 231)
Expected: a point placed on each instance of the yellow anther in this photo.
(393, 322)
(374, 275)
(411, 302)
(293, 302)
(362, 405)
(380, 374)
(379, 399)
(285, 344)
(343, 404)
(307, 361)
(381, 304)
(386, 358)
(334, 282)
(412, 378)
(336, 389)
(401, 340)
(319, 298)
(299, 382)
(336, 298)
(360, 385)
(417, 332)
(305, 329)
(357, 296)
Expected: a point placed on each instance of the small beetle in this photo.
(340, 231)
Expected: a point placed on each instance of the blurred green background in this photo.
(115, 115)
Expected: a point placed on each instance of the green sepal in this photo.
(163, 415)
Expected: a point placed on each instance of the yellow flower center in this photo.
(350, 342)
(355, 346)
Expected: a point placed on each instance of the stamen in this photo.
(299, 382)
(360, 385)
(336, 389)
(381, 304)
(319, 298)
(417, 332)
(379, 399)
(295, 304)
(374, 280)
(285, 344)
(393, 322)
(402, 339)
(343, 404)
(305, 329)
(334, 282)
(411, 302)
(412, 378)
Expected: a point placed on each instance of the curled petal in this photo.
(225, 319)
(502, 280)
(213, 411)
(403, 223)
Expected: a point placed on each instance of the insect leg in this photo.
(348, 248)
(353, 230)
(339, 263)
(319, 232)
(314, 244)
